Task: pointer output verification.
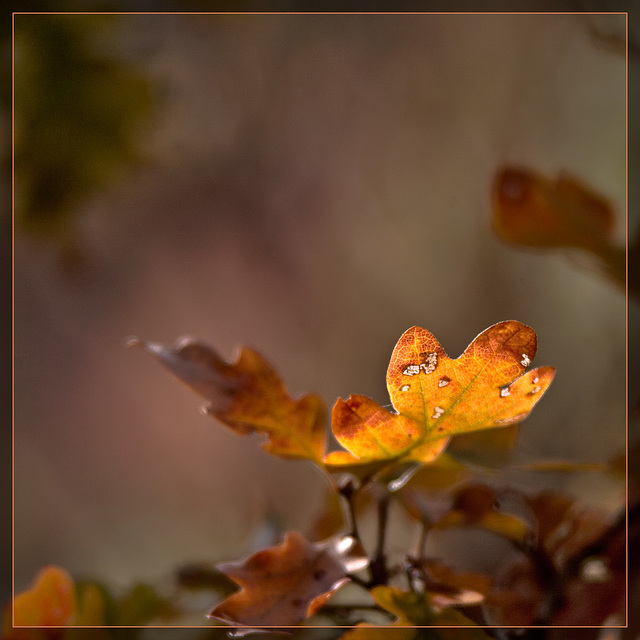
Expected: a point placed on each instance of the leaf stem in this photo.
(347, 491)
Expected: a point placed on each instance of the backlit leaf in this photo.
(286, 584)
(436, 397)
(248, 397)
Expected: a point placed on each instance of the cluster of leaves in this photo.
(399, 456)
(563, 564)
(561, 555)
(435, 398)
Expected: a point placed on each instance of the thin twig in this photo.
(378, 566)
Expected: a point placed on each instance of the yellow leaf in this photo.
(436, 397)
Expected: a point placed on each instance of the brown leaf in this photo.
(248, 397)
(533, 210)
(286, 584)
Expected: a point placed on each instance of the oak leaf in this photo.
(436, 397)
(248, 397)
(284, 585)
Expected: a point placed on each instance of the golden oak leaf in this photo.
(248, 397)
(50, 602)
(436, 397)
(286, 584)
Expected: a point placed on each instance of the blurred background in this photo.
(308, 185)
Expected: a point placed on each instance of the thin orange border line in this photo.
(310, 13)
(626, 234)
(322, 13)
(333, 626)
(13, 323)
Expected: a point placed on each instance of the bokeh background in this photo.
(309, 185)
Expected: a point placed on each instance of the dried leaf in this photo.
(50, 602)
(248, 396)
(436, 397)
(286, 584)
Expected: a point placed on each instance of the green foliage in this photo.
(77, 113)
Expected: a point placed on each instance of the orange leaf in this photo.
(248, 396)
(436, 397)
(284, 585)
(50, 602)
(535, 211)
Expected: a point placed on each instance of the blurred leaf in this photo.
(445, 575)
(282, 585)
(330, 519)
(532, 210)
(439, 475)
(92, 606)
(248, 397)
(436, 397)
(50, 602)
(490, 448)
(585, 583)
(475, 505)
(413, 609)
